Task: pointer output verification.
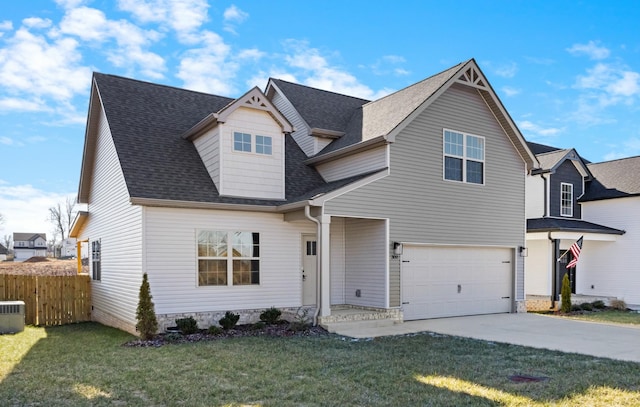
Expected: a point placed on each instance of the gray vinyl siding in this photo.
(364, 262)
(208, 147)
(423, 207)
(118, 226)
(566, 173)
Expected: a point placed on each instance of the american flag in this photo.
(575, 250)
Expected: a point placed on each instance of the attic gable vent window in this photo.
(244, 142)
(463, 157)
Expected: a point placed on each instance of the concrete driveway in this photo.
(534, 330)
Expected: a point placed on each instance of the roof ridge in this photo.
(318, 89)
(420, 82)
(160, 85)
(615, 159)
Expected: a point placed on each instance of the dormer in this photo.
(319, 116)
(243, 147)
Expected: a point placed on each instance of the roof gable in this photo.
(28, 237)
(613, 179)
(550, 161)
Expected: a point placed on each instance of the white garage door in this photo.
(454, 281)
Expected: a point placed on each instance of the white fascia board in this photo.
(168, 203)
(586, 236)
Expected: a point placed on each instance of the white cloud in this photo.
(591, 49)
(317, 72)
(609, 84)
(31, 65)
(388, 65)
(209, 69)
(91, 25)
(537, 130)
(23, 105)
(7, 141)
(507, 71)
(67, 4)
(26, 208)
(6, 25)
(183, 16)
(234, 14)
(35, 22)
(509, 91)
(252, 53)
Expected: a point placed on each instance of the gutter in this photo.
(307, 213)
(361, 146)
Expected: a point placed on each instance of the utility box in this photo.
(11, 317)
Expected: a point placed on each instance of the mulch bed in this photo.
(282, 330)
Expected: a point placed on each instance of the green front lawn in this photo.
(610, 316)
(86, 365)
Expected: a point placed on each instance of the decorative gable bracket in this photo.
(472, 77)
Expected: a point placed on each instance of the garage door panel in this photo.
(452, 281)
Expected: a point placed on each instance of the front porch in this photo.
(354, 316)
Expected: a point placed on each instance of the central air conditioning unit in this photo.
(11, 317)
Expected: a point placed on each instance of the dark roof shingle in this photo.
(147, 121)
(568, 225)
(613, 179)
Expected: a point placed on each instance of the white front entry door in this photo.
(309, 269)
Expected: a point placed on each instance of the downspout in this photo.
(307, 213)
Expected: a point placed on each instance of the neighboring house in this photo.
(3, 253)
(412, 204)
(569, 197)
(68, 247)
(27, 245)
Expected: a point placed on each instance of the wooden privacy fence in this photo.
(49, 300)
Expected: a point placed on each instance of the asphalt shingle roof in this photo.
(147, 122)
(25, 237)
(320, 108)
(537, 148)
(3, 250)
(568, 225)
(613, 179)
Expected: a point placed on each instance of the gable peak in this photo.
(472, 77)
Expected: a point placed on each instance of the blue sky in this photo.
(568, 72)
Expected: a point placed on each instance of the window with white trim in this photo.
(241, 142)
(463, 157)
(96, 260)
(228, 258)
(263, 145)
(566, 199)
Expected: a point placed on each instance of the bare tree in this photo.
(63, 217)
(1, 219)
(6, 241)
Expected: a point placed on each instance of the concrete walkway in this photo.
(534, 330)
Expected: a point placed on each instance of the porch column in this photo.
(325, 265)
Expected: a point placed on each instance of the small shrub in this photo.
(301, 320)
(187, 325)
(587, 306)
(229, 320)
(618, 304)
(173, 337)
(215, 330)
(566, 294)
(145, 314)
(576, 307)
(599, 304)
(271, 316)
(258, 326)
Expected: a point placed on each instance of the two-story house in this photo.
(569, 197)
(411, 205)
(27, 245)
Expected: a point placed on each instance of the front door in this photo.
(309, 269)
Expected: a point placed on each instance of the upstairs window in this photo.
(263, 145)
(463, 157)
(242, 142)
(566, 199)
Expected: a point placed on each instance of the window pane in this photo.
(453, 143)
(474, 172)
(453, 168)
(263, 145)
(212, 244)
(242, 142)
(566, 199)
(475, 148)
(212, 272)
(246, 272)
(246, 244)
